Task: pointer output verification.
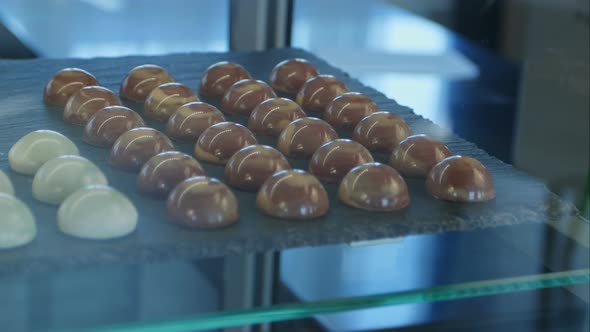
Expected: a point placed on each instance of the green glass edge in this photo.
(302, 310)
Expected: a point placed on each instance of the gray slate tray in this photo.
(520, 198)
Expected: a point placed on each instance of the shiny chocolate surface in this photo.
(293, 194)
(65, 83)
(248, 168)
(302, 137)
(219, 142)
(348, 109)
(381, 131)
(219, 77)
(290, 75)
(416, 155)
(164, 100)
(202, 202)
(243, 96)
(319, 91)
(164, 171)
(374, 187)
(460, 179)
(272, 116)
(106, 125)
(141, 80)
(84, 103)
(190, 120)
(334, 159)
(136, 146)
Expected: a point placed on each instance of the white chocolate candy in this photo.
(98, 213)
(5, 184)
(60, 177)
(36, 148)
(17, 224)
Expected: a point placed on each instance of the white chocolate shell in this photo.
(5, 184)
(34, 149)
(17, 224)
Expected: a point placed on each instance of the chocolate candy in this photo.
(416, 155)
(302, 137)
(460, 179)
(272, 116)
(220, 141)
(141, 80)
(60, 177)
(65, 83)
(17, 225)
(381, 131)
(293, 194)
(348, 109)
(334, 159)
(190, 120)
(319, 91)
(97, 213)
(290, 75)
(243, 96)
(164, 171)
(107, 124)
(6, 186)
(34, 149)
(248, 168)
(136, 146)
(220, 76)
(202, 202)
(84, 103)
(166, 99)
(374, 187)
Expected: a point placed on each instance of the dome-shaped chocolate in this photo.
(220, 141)
(84, 103)
(374, 187)
(164, 171)
(348, 109)
(65, 83)
(293, 194)
(106, 125)
(190, 120)
(220, 76)
(334, 159)
(290, 75)
(243, 96)
(272, 116)
(141, 80)
(248, 168)
(166, 99)
(318, 92)
(416, 155)
(302, 137)
(381, 131)
(202, 202)
(136, 146)
(36, 148)
(460, 179)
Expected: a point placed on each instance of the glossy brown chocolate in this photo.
(319, 91)
(302, 137)
(220, 141)
(348, 109)
(136, 146)
(243, 96)
(65, 83)
(107, 124)
(374, 187)
(84, 103)
(164, 171)
(334, 159)
(272, 116)
(248, 168)
(381, 131)
(290, 75)
(416, 155)
(293, 194)
(202, 202)
(141, 80)
(460, 179)
(219, 77)
(190, 120)
(164, 100)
